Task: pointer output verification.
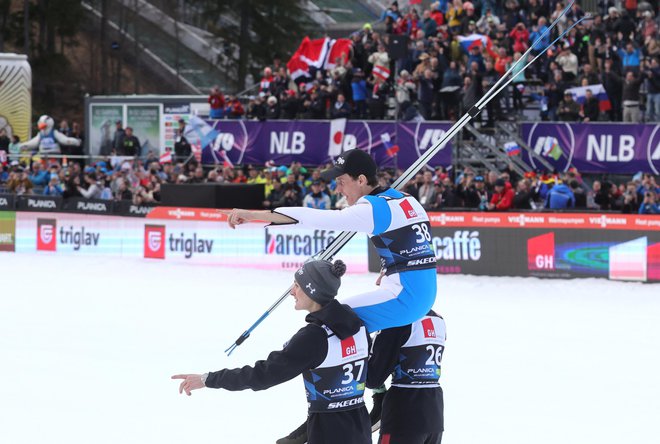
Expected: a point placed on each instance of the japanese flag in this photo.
(337, 128)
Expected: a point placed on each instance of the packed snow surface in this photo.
(88, 345)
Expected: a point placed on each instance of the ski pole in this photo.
(345, 236)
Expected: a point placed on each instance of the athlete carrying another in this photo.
(398, 227)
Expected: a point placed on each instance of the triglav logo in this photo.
(46, 234)
(154, 241)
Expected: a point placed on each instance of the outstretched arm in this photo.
(305, 350)
(67, 141)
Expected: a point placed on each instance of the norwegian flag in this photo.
(340, 50)
(196, 149)
(381, 71)
(166, 157)
(3, 157)
(313, 55)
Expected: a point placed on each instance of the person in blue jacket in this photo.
(560, 197)
(649, 205)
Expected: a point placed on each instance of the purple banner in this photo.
(595, 147)
(284, 141)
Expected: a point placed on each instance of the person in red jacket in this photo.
(502, 197)
(217, 103)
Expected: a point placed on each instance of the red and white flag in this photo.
(225, 159)
(166, 157)
(337, 128)
(196, 149)
(340, 51)
(381, 71)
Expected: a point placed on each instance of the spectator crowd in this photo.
(434, 76)
(139, 181)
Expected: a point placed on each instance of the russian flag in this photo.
(390, 148)
(512, 149)
(472, 40)
(580, 93)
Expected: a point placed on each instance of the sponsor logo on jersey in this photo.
(154, 241)
(348, 347)
(408, 210)
(428, 327)
(423, 261)
(46, 234)
(347, 403)
(541, 252)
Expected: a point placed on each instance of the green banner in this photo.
(102, 128)
(7, 231)
(145, 121)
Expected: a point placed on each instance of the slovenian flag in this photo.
(551, 148)
(390, 148)
(512, 149)
(472, 40)
(580, 93)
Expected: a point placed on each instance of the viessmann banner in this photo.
(309, 141)
(185, 235)
(595, 147)
(614, 246)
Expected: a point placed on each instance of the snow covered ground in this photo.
(87, 347)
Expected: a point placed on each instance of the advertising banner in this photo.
(186, 235)
(145, 121)
(623, 247)
(38, 203)
(7, 201)
(195, 232)
(90, 206)
(7, 231)
(102, 127)
(595, 147)
(243, 142)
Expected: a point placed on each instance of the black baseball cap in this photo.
(353, 162)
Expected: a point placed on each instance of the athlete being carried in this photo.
(397, 225)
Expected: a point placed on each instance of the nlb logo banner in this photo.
(594, 147)
(154, 241)
(46, 235)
